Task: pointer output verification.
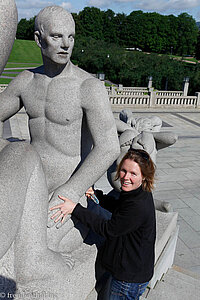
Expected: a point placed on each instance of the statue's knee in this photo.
(21, 155)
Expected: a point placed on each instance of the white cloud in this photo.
(162, 5)
(167, 5)
(66, 5)
(29, 8)
(25, 4)
(99, 3)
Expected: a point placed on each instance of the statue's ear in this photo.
(37, 37)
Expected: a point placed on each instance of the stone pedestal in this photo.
(167, 234)
(79, 282)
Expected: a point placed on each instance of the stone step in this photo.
(185, 272)
(165, 291)
(176, 285)
(182, 277)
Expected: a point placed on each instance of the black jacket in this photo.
(128, 252)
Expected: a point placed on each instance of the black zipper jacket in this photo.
(128, 252)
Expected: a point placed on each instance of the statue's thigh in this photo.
(17, 162)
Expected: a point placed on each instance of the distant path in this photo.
(24, 63)
(20, 68)
(7, 77)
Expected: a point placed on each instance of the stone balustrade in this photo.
(140, 100)
(142, 97)
(169, 93)
(176, 101)
(2, 87)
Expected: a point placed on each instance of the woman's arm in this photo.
(107, 202)
(128, 218)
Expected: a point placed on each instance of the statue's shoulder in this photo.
(83, 76)
(21, 81)
(29, 74)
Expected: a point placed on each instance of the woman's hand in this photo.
(89, 192)
(65, 209)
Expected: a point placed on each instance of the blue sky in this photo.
(29, 8)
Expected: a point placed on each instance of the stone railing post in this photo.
(113, 90)
(152, 102)
(198, 99)
(120, 87)
(150, 82)
(185, 86)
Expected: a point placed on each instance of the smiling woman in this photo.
(136, 168)
(128, 250)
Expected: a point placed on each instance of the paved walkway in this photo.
(178, 176)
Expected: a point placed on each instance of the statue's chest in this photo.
(58, 101)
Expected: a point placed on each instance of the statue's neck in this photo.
(52, 69)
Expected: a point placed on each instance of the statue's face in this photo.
(57, 40)
(130, 175)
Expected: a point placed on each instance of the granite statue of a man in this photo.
(66, 107)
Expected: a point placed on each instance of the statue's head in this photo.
(54, 34)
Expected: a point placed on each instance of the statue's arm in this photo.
(164, 139)
(10, 100)
(101, 123)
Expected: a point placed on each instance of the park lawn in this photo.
(24, 54)
(9, 75)
(186, 58)
(5, 80)
(25, 51)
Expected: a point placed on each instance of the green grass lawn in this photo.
(25, 52)
(184, 58)
(5, 80)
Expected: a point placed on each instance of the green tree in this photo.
(187, 34)
(109, 26)
(197, 53)
(91, 22)
(25, 29)
(134, 33)
(22, 29)
(121, 28)
(171, 33)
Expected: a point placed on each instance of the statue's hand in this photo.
(3, 143)
(144, 141)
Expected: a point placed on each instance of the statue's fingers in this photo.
(50, 223)
(63, 221)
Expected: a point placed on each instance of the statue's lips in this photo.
(63, 53)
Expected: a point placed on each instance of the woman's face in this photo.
(130, 175)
